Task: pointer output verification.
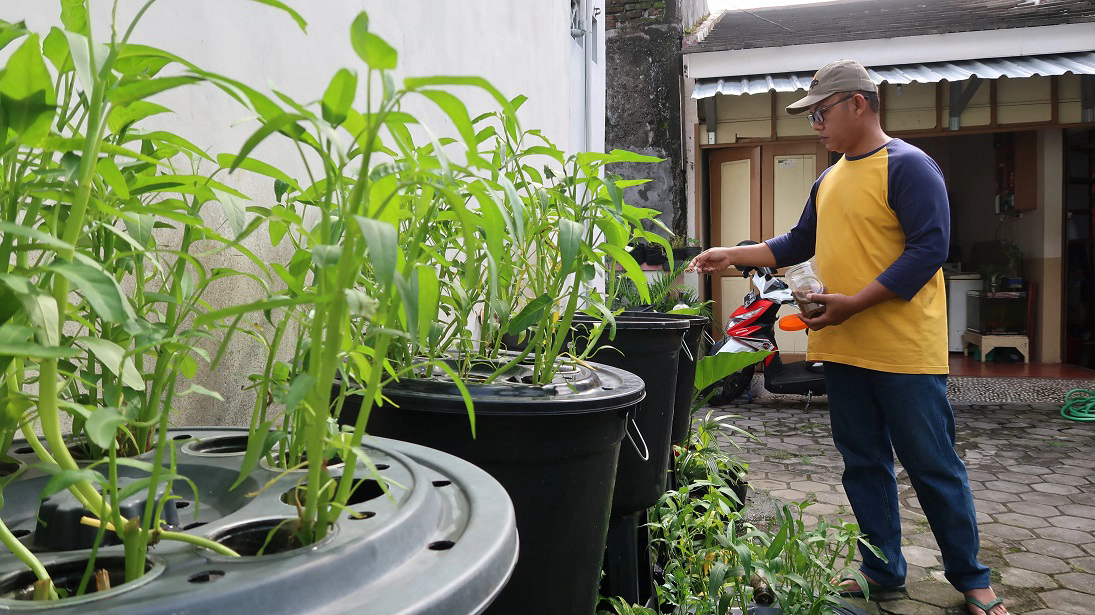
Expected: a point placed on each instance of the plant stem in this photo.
(20, 551)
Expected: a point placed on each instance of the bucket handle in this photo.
(687, 352)
(643, 454)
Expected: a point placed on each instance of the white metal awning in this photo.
(1080, 63)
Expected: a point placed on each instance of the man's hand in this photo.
(838, 308)
(711, 260)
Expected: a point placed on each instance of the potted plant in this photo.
(549, 426)
(77, 226)
(684, 248)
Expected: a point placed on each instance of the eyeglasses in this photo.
(818, 117)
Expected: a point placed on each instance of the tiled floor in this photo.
(963, 366)
(1033, 478)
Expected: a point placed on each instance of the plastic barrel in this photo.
(554, 449)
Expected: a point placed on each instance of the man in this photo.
(878, 225)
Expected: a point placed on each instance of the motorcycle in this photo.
(752, 327)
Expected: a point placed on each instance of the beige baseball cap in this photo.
(838, 76)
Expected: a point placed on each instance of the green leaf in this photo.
(280, 188)
(102, 426)
(382, 247)
(257, 446)
(234, 210)
(711, 369)
(101, 290)
(114, 358)
(531, 314)
(429, 300)
(45, 239)
(10, 32)
(339, 96)
(55, 48)
(260, 167)
(63, 479)
(122, 116)
(74, 16)
(377, 53)
(298, 390)
(27, 98)
(80, 52)
(631, 268)
(138, 89)
(303, 25)
(113, 178)
(200, 390)
(570, 243)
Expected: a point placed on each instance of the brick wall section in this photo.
(625, 14)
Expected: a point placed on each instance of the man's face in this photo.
(831, 119)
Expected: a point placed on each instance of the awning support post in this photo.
(960, 97)
(710, 118)
(1087, 98)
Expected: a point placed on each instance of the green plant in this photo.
(92, 204)
(703, 461)
(677, 242)
(666, 294)
(713, 557)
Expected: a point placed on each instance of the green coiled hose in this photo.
(1079, 405)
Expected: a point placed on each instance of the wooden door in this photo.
(734, 178)
(788, 171)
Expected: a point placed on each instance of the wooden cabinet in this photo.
(1016, 171)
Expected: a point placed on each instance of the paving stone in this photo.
(1078, 510)
(1075, 537)
(1037, 470)
(922, 556)
(1010, 487)
(1032, 508)
(1036, 562)
(1068, 479)
(1018, 577)
(988, 507)
(807, 486)
(1018, 520)
(908, 607)
(1067, 601)
(1002, 497)
(932, 592)
(1007, 531)
(1049, 499)
(1087, 564)
(1053, 548)
(1053, 488)
(1084, 524)
(1079, 581)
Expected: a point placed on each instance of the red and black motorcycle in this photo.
(752, 327)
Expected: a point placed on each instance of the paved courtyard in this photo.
(1033, 479)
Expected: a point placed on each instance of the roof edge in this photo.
(1009, 42)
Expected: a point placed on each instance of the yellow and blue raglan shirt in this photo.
(881, 216)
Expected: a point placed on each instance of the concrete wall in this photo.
(643, 98)
(522, 48)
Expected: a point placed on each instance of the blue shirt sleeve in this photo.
(918, 195)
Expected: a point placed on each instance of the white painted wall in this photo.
(522, 48)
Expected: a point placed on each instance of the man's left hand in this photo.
(838, 308)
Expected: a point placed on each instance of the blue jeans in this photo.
(875, 414)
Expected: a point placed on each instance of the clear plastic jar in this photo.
(804, 279)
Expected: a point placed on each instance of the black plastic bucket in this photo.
(686, 368)
(553, 448)
(648, 348)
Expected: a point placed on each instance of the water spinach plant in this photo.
(102, 278)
